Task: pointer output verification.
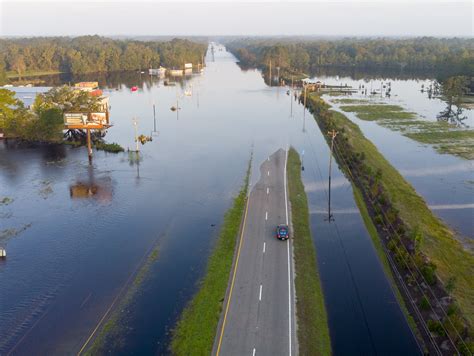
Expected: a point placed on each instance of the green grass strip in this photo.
(378, 112)
(313, 330)
(195, 331)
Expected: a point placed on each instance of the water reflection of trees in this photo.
(112, 80)
(453, 90)
(371, 73)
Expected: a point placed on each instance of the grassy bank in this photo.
(416, 238)
(313, 331)
(445, 137)
(195, 331)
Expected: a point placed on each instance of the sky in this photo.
(225, 17)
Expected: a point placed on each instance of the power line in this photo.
(351, 274)
(413, 262)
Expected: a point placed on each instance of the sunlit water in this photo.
(64, 271)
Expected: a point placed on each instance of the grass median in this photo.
(196, 329)
(313, 330)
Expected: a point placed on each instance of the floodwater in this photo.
(445, 181)
(82, 231)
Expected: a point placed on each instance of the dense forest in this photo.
(93, 54)
(455, 55)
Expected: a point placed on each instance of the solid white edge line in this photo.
(260, 293)
(253, 353)
(288, 251)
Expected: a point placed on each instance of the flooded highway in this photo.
(76, 233)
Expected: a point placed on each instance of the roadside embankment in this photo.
(437, 272)
(195, 331)
(313, 330)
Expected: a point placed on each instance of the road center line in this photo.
(266, 215)
(264, 244)
(268, 173)
(260, 294)
(268, 190)
(253, 353)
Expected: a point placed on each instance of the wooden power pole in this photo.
(135, 123)
(270, 74)
(89, 145)
(333, 135)
(304, 108)
(154, 118)
(291, 97)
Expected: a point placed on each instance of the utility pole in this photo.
(291, 97)
(135, 123)
(154, 118)
(333, 135)
(270, 74)
(177, 107)
(89, 145)
(304, 108)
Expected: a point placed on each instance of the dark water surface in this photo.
(74, 251)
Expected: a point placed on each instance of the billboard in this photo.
(79, 120)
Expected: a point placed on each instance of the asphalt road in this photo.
(258, 315)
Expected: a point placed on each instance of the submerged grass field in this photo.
(445, 138)
(196, 329)
(440, 244)
(112, 335)
(378, 112)
(313, 330)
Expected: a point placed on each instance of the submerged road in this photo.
(258, 315)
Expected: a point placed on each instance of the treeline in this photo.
(426, 53)
(88, 54)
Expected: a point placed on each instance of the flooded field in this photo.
(76, 233)
(445, 181)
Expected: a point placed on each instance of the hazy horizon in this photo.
(226, 18)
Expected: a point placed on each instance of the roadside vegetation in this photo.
(313, 330)
(196, 329)
(436, 269)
